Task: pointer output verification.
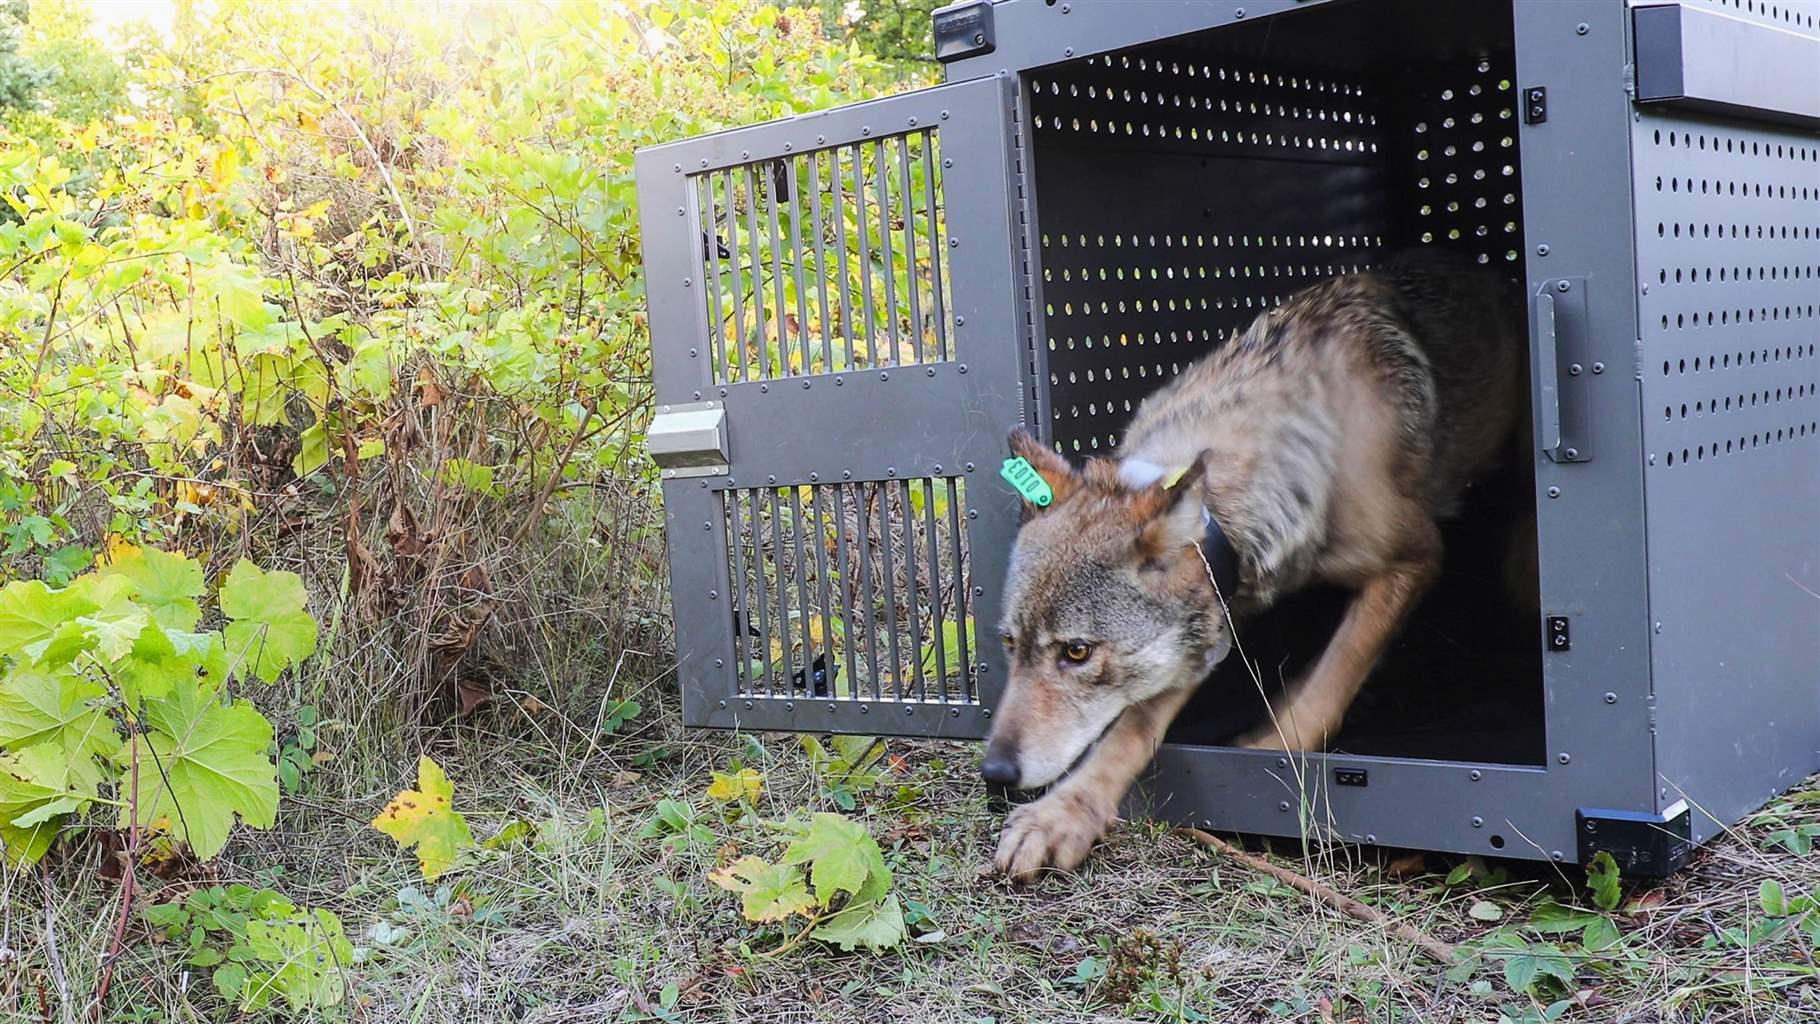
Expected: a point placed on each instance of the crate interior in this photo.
(1187, 185)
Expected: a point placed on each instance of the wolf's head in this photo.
(1108, 603)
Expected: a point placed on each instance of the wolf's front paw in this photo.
(1054, 832)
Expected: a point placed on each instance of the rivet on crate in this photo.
(1554, 492)
(909, 711)
(748, 705)
(788, 146)
(960, 321)
(1371, 837)
(676, 167)
(930, 372)
(1478, 822)
(770, 479)
(680, 211)
(944, 115)
(697, 394)
(954, 712)
(832, 708)
(884, 376)
(723, 392)
(1563, 286)
(863, 709)
(692, 355)
(718, 663)
(985, 712)
(865, 130)
(789, 706)
(973, 513)
(805, 385)
(1564, 758)
(1069, 51)
(1240, 13)
(713, 595)
(764, 389)
(938, 469)
(963, 368)
(1283, 805)
(1542, 250)
(1611, 698)
(1282, 762)
(953, 242)
(707, 526)
(890, 470)
(1556, 854)
(969, 467)
(1582, 28)
(814, 477)
(1598, 367)
(846, 474)
(1475, 775)
(723, 705)
(913, 122)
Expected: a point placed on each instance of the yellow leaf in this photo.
(747, 784)
(425, 818)
(227, 167)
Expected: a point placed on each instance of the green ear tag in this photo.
(1021, 475)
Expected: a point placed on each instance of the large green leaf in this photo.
(52, 709)
(162, 658)
(270, 630)
(841, 855)
(769, 892)
(875, 924)
(31, 612)
(164, 584)
(202, 763)
(307, 954)
(37, 791)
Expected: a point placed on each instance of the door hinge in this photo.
(1535, 104)
(1560, 636)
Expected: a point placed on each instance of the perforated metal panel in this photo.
(1276, 182)
(1792, 15)
(1728, 215)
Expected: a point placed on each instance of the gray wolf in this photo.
(1325, 443)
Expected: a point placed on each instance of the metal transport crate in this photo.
(850, 308)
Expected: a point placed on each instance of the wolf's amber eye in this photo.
(1009, 641)
(1077, 651)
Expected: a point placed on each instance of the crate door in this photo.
(836, 322)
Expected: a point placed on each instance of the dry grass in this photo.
(592, 923)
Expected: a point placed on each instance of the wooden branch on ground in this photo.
(1352, 908)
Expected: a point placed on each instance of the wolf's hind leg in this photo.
(1058, 830)
(1311, 714)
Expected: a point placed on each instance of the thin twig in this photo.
(1352, 908)
(128, 879)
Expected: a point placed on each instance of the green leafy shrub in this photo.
(118, 651)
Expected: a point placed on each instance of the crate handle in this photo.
(1548, 368)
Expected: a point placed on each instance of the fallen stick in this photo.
(1352, 908)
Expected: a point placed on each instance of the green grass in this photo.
(589, 922)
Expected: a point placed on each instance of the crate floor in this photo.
(1462, 681)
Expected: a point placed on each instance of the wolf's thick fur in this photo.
(1326, 440)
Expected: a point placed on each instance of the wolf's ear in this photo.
(1054, 469)
(1171, 513)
